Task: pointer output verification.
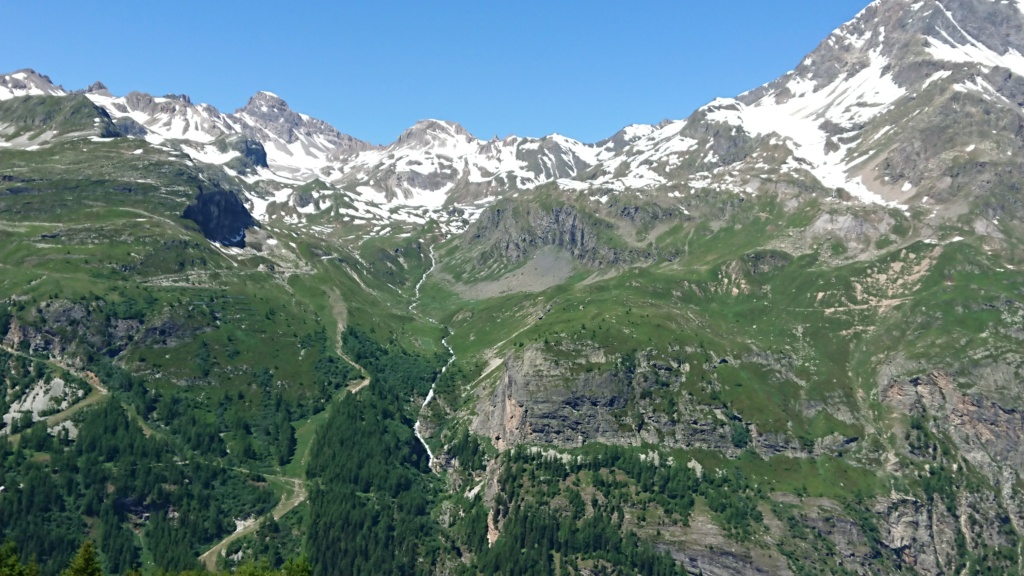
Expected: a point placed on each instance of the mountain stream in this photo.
(451, 358)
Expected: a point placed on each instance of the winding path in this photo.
(299, 492)
(286, 505)
(340, 317)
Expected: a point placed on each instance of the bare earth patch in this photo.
(549, 267)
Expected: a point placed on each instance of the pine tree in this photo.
(10, 564)
(85, 563)
(297, 567)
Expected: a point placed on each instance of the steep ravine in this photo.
(451, 358)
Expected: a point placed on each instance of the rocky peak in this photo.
(911, 40)
(97, 87)
(170, 104)
(433, 133)
(180, 98)
(268, 112)
(27, 82)
(266, 105)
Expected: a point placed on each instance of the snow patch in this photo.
(210, 154)
(973, 52)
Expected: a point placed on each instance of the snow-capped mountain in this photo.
(877, 113)
(27, 82)
(296, 145)
(435, 160)
(294, 140)
(848, 120)
(853, 113)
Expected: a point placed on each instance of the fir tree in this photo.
(85, 563)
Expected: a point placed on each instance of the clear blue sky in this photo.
(525, 67)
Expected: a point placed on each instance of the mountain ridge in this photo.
(830, 97)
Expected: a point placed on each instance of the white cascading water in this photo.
(451, 358)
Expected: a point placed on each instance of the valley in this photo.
(780, 336)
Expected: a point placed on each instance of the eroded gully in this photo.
(451, 358)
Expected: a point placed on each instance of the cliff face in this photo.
(989, 435)
(221, 217)
(956, 460)
(515, 232)
(538, 402)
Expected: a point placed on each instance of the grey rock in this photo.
(269, 114)
(221, 216)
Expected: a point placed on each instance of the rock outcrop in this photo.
(221, 217)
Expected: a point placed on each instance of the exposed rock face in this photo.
(42, 399)
(26, 82)
(514, 233)
(58, 325)
(922, 536)
(221, 217)
(252, 154)
(203, 121)
(535, 402)
(268, 113)
(911, 29)
(725, 563)
(988, 435)
(97, 88)
(432, 133)
(130, 128)
(540, 400)
(19, 336)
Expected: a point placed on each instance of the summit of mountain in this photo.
(27, 82)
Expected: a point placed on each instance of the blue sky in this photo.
(525, 67)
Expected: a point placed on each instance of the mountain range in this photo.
(858, 87)
(779, 336)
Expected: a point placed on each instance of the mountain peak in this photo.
(98, 87)
(911, 40)
(263, 102)
(433, 132)
(27, 82)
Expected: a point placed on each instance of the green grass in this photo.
(305, 431)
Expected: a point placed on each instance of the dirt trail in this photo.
(246, 527)
(288, 503)
(172, 224)
(340, 313)
(359, 385)
(356, 387)
(299, 493)
(209, 558)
